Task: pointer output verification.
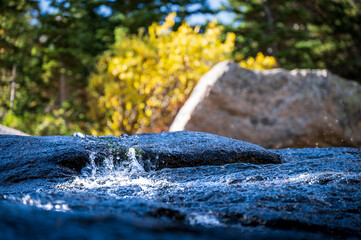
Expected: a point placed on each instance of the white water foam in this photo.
(79, 134)
(203, 219)
(112, 176)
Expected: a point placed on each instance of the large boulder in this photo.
(275, 108)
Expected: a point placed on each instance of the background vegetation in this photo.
(112, 67)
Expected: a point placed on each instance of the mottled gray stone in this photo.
(275, 108)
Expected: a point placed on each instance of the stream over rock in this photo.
(181, 185)
(25, 157)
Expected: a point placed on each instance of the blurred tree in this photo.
(79, 30)
(143, 79)
(134, 14)
(18, 69)
(70, 37)
(338, 26)
(46, 56)
(76, 32)
(301, 34)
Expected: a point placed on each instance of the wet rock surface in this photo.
(275, 108)
(313, 194)
(24, 157)
(189, 149)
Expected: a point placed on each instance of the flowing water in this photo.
(315, 193)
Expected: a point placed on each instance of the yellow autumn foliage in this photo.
(261, 62)
(141, 83)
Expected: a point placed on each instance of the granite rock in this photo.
(275, 108)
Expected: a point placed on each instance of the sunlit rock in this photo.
(11, 131)
(275, 108)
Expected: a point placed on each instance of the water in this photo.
(315, 193)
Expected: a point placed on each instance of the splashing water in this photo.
(79, 134)
(134, 166)
(203, 219)
(110, 168)
(307, 188)
(118, 179)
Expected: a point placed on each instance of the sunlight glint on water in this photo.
(58, 206)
